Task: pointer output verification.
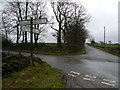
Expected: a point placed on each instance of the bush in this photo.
(6, 69)
(73, 48)
(14, 63)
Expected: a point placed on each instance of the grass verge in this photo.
(42, 75)
(106, 50)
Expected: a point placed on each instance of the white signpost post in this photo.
(32, 22)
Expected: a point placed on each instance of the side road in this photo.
(95, 69)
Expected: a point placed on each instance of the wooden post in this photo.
(31, 39)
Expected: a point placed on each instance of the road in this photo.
(95, 69)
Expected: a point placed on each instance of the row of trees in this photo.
(14, 12)
(70, 17)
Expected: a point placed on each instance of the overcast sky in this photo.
(103, 13)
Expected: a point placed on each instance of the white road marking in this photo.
(76, 73)
(90, 76)
(72, 75)
(88, 79)
(108, 84)
(111, 81)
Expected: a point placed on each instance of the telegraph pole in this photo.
(104, 36)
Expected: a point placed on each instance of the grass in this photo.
(110, 48)
(42, 75)
(108, 45)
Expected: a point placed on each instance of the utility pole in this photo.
(104, 36)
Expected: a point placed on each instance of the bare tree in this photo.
(67, 13)
(57, 8)
(14, 10)
(19, 11)
(5, 23)
(37, 9)
(71, 18)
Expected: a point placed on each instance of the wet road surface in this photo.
(95, 69)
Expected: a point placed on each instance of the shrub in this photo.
(73, 48)
(14, 63)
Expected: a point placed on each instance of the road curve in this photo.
(95, 69)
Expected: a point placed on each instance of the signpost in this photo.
(32, 22)
(35, 21)
(25, 28)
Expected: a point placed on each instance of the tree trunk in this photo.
(6, 34)
(59, 36)
(36, 39)
(20, 18)
(64, 36)
(26, 19)
(17, 34)
(64, 31)
(23, 38)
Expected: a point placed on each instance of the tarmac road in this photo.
(95, 69)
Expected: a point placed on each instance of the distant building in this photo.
(101, 42)
(110, 42)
